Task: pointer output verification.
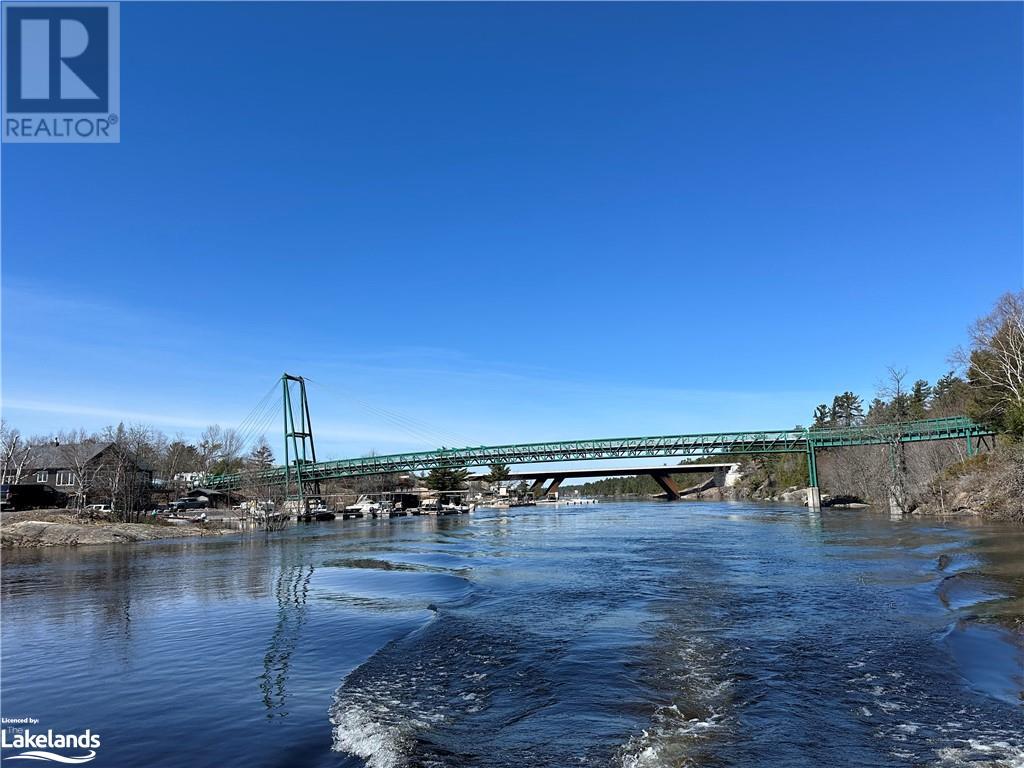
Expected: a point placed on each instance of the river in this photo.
(624, 634)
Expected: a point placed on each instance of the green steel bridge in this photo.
(301, 473)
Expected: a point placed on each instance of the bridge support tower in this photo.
(299, 448)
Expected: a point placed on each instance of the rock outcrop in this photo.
(39, 533)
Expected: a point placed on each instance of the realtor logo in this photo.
(61, 72)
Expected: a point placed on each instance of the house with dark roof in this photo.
(87, 471)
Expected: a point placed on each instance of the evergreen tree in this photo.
(822, 417)
(920, 399)
(261, 456)
(950, 396)
(497, 473)
(847, 410)
(447, 479)
(878, 412)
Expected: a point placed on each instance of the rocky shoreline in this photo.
(989, 486)
(964, 502)
(57, 528)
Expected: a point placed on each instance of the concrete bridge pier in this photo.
(814, 497)
(895, 510)
(721, 477)
(668, 485)
(537, 486)
(555, 484)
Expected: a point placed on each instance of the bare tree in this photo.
(178, 458)
(231, 445)
(76, 450)
(15, 453)
(127, 477)
(899, 411)
(995, 362)
(220, 449)
(856, 471)
(210, 444)
(1011, 479)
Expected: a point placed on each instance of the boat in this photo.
(320, 513)
(457, 509)
(367, 507)
(176, 519)
(364, 506)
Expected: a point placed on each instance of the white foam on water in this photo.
(901, 706)
(373, 719)
(979, 754)
(380, 744)
(670, 738)
(372, 724)
(668, 741)
(392, 710)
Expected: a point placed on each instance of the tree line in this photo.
(989, 389)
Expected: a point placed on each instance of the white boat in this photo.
(364, 506)
(457, 509)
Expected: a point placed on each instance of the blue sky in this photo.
(516, 222)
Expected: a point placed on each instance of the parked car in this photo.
(188, 503)
(32, 496)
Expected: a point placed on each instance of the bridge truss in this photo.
(303, 471)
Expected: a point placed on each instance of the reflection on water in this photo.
(291, 592)
(618, 635)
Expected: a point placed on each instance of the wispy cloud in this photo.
(385, 397)
(327, 431)
(97, 412)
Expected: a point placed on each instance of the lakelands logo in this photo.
(61, 72)
(74, 748)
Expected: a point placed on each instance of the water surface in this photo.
(633, 634)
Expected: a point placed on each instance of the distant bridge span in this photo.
(661, 474)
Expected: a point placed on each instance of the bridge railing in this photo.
(907, 431)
